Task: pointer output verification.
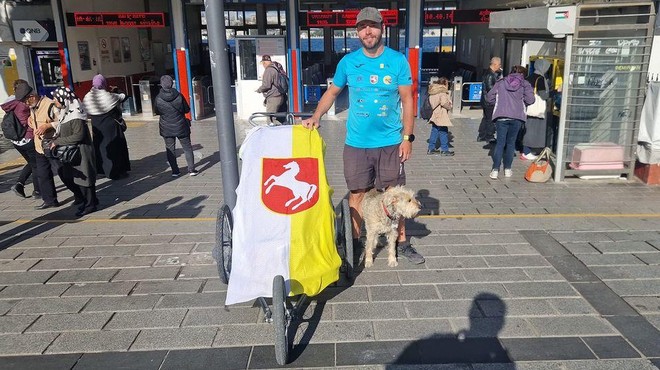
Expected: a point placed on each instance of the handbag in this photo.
(121, 123)
(540, 169)
(539, 107)
(67, 153)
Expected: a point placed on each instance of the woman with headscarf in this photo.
(535, 128)
(173, 124)
(73, 130)
(108, 127)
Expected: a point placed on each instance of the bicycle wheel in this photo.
(348, 238)
(223, 243)
(280, 321)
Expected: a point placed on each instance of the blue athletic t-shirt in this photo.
(374, 113)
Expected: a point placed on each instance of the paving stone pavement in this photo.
(517, 275)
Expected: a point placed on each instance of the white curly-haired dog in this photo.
(381, 212)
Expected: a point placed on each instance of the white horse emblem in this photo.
(301, 190)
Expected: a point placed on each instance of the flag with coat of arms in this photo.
(283, 219)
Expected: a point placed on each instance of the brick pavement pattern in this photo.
(517, 275)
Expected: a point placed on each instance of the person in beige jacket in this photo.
(440, 122)
(43, 121)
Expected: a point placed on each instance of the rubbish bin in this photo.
(200, 86)
(149, 87)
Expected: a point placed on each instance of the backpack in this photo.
(427, 110)
(12, 128)
(282, 80)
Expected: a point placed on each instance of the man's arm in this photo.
(267, 80)
(405, 149)
(323, 106)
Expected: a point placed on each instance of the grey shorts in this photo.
(373, 168)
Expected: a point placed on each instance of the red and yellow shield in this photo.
(289, 185)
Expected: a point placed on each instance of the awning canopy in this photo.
(551, 21)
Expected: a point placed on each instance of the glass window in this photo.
(235, 18)
(271, 17)
(250, 17)
(205, 35)
(248, 55)
(402, 40)
(253, 31)
(273, 31)
(304, 40)
(203, 16)
(316, 39)
(282, 18)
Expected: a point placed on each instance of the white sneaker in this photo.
(530, 156)
(508, 172)
(494, 174)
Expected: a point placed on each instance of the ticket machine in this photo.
(249, 50)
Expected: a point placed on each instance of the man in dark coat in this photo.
(172, 108)
(274, 100)
(487, 126)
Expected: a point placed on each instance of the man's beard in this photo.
(372, 49)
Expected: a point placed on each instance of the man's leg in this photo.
(46, 182)
(170, 152)
(355, 198)
(489, 133)
(273, 104)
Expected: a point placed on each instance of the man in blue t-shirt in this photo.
(380, 124)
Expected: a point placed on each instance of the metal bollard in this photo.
(457, 94)
(331, 111)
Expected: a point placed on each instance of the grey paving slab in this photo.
(57, 252)
(10, 253)
(163, 249)
(93, 341)
(129, 261)
(515, 307)
(246, 335)
(581, 236)
(221, 316)
(108, 251)
(403, 293)
(570, 326)
(334, 332)
(83, 276)
(174, 338)
(25, 277)
(455, 262)
(611, 347)
(608, 365)
(623, 247)
(85, 241)
(611, 259)
(15, 324)
(639, 332)
(377, 278)
(42, 362)
(116, 304)
(48, 305)
(441, 309)
(603, 299)
(627, 272)
(470, 290)
(149, 273)
(476, 250)
(16, 265)
(495, 275)
(516, 261)
(168, 287)
(144, 239)
(410, 329)
(231, 358)
(33, 291)
(431, 277)
(70, 322)
(626, 288)
(512, 238)
(652, 258)
(6, 305)
(540, 289)
(360, 311)
(148, 360)
(632, 235)
(645, 305)
(25, 344)
(198, 272)
(572, 269)
(64, 264)
(493, 327)
(146, 319)
(193, 300)
(544, 274)
(580, 248)
(533, 349)
(185, 259)
(99, 289)
(208, 237)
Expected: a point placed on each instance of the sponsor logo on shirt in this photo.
(373, 79)
(387, 80)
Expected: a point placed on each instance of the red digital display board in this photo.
(151, 20)
(347, 18)
(447, 18)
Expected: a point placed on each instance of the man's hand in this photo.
(42, 129)
(311, 123)
(405, 150)
(52, 146)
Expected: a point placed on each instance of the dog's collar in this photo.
(387, 213)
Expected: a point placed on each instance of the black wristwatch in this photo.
(410, 137)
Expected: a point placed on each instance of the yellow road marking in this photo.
(493, 216)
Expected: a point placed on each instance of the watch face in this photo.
(411, 138)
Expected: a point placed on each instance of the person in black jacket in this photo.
(172, 108)
(487, 127)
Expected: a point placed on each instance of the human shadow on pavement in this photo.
(430, 205)
(147, 173)
(478, 344)
(168, 209)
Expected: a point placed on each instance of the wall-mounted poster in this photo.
(83, 53)
(104, 49)
(126, 48)
(116, 49)
(145, 47)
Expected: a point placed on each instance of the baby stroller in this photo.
(282, 239)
